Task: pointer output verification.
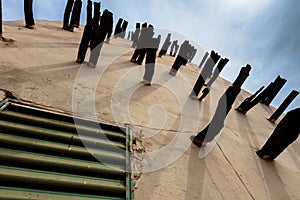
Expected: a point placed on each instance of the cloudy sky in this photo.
(262, 33)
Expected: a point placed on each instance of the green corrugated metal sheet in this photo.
(43, 157)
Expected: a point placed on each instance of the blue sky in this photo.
(262, 33)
